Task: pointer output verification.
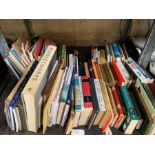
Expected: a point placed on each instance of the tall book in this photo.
(13, 103)
(33, 89)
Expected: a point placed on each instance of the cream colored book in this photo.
(50, 102)
(11, 95)
(33, 89)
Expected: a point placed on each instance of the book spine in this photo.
(86, 92)
(116, 50)
(107, 52)
(136, 71)
(116, 98)
(99, 95)
(146, 75)
(38, 47)
(128, 103)
(77, 94)
(118, 74)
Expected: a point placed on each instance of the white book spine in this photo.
(123, 70)
(137, 72)
(65, 115)
(99, 95)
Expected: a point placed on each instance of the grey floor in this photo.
(4, 130)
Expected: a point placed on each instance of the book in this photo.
(132, 118)
(148, 107)
(118, 74)
(50, 83)
(101, 102)
(121, 117)
(53, 101)
(107, 52)
(96, 108)
(116, 51)
(38, 47)
(136, 73)
(124, 73)
(13, 104)
(108, 116)
(113, 105)
(64, 93)
(69, 99)
(15, 59)
(34, 87)
(87, 101)
(149, 88)
(77, 96)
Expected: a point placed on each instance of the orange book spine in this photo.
(95, 70)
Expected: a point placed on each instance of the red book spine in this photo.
(38, 47)
(107, 123)
(118, 73)
(117, 101)
(86, 92)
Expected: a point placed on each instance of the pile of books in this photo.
(24, 51)
(105, 88)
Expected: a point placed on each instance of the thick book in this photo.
(14, 102)
(132, 118)
(33, 89)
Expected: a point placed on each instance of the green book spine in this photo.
(146, 98)
(128, 103)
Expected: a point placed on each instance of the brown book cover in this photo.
(50, 83)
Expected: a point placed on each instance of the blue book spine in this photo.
(116, 50)
(22, 85)
(128, 103)
(146, 75)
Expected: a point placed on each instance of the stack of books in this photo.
(24, 51)
(107, 89)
